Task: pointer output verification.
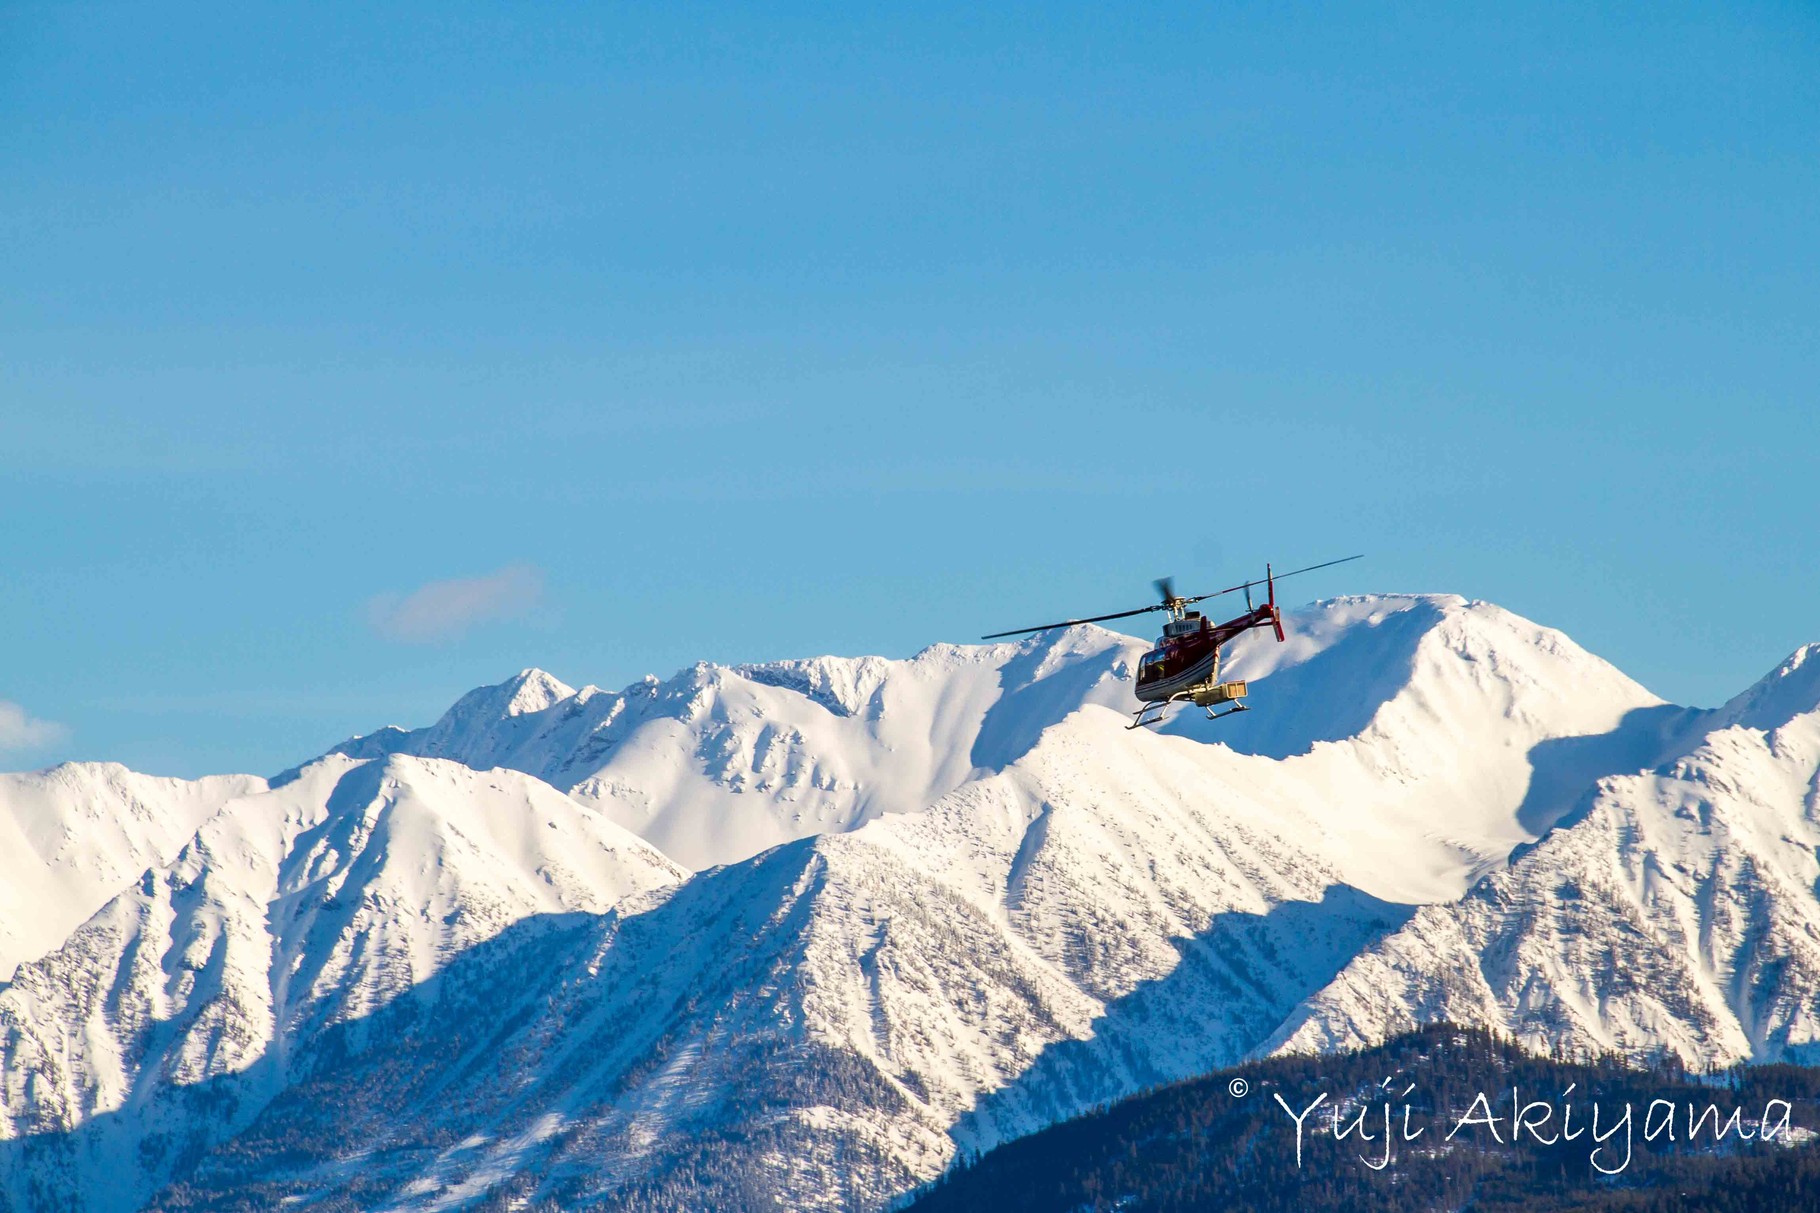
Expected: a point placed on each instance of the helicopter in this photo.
(1185, 664)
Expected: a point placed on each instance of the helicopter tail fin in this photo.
(1276, 616)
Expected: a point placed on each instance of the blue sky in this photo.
(354, 355)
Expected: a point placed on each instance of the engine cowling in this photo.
(1221, 692)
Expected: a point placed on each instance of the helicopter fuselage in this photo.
(1186, 658)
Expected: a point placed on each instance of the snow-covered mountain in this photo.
(939, 903)
(73, 836)
(169, 1018)
(1677, 913)
(721, 762)
(1424, 713)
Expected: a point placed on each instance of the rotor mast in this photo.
(1174, 603)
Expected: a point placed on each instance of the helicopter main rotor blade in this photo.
(1262, 580)
(1068, 623)
(1167, 586)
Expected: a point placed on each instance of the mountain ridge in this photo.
(1707, 859)
(954, 887)
(74, 834)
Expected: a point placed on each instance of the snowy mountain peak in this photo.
(1792, 689)
(72, 835)
(719, 762)
(454, 961)
(529, 690)
(474, 729)
(1674, 911)
(843, 685)
(1414, 670)
(287, 913)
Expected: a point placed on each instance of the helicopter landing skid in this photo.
(1161, 707)
(1143, 717)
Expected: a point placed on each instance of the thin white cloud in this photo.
(442, 610)
(22, 732)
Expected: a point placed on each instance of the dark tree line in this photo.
(1198, 1146)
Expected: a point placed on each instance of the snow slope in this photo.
(1434, 733)
(1416, 717)
(169, 1017)
(73, 836)
(720, 762)
(1676, 913)
(1062, 932)
(1086, 911)
(959, 901)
